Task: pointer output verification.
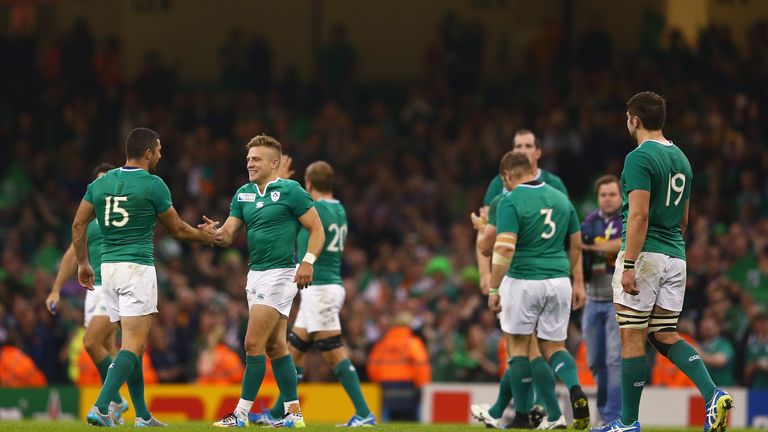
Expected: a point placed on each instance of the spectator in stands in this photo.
(756, 370)
(16, 368)
(716, 352)
(217, 363)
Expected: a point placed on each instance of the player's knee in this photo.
(662, 331)
(253, 346)
(299, 343)
(329, 344)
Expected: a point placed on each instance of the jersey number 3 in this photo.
(676, 184)
(547, 213)
(113, 206)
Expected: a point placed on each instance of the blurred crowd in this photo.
(412, 161)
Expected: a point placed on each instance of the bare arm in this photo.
(310, 220)
(67, 270)
(637, 223)
(480, 223)
(503, 252)
(181, 230)
(577, 271)
(486, 239)
(83, 217)
(684, 220)
(715, 360)
(227, 232)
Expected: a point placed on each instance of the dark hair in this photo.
(139, 141)
(102, 168)
(528, 131)
(606, 179)
(650, 107)
(516, 163)
(264, 140)
(320, 174)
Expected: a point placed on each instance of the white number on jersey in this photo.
(548, 222)
(339, 235)
(677, 184)
(115, 208)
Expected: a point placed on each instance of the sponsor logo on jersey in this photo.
(246, 197)
(275, 196)
(260, 204)
(694, 358)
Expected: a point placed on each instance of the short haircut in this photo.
(515, 163)
(320, 174)
(606, 179)
(264, 140)
(138, 141)
(102, 168)
(650, 107)
(528, 131)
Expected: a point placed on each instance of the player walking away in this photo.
(544, 384)
(534, 220)
(601, 241)
(649, 284)
(126, 201)
(525, 142)
(272, 209)
(318, 320)
(99, 338)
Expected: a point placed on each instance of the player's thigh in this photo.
(633, 329)
(99, 331)
(649, 270)
(274, 288)
(95, 304)
(262, 320)
(135, 330)
(277, 344)
(672, 290)
(554, 316)
(521, 304)
(320, 308)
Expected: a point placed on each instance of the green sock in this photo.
(255, 368)
(278, 409)
(544, 383)
(103, 367)
(633, 373)
(504, 397)
(348, 378)
(287, 380)
(688, 360)
(125, 362)
(520, 382)
(565, 368)
(136, 389)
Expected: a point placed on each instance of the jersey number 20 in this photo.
(113, 206)
(547, 213)
(339, 235)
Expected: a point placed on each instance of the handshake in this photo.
(211, 233)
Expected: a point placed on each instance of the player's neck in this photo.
(522, 180)
(643, 135)
(320, 196)
(263, 184)
(137, 163)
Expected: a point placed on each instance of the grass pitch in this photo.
(206, 426)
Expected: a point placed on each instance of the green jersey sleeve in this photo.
(88, 197)
(637, 171)
(492, 209)
(558, 184)
(300, 202)
(574, 225)
(235, 208)
(160, 196)
(495, 188)
(507, 218)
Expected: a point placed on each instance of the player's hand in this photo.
(51, 301)
(485, 283)
(86, 276)
(479, 219)
(628, 282)
(304, 274)
(578, 295)
(211, 235)
(494, 303)
(285, 170)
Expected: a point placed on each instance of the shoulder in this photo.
(592, 216)
(289, 185)
(156, 180)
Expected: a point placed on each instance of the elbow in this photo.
(640, 217)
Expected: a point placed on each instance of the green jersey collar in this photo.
(265, 187)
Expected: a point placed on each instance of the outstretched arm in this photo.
(181, 230)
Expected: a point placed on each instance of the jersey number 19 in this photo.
(676, 184)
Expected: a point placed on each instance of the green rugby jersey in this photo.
(127, 201)
(664, 171)
(328, 265)
(271, 221)
(94, 250)
(496, 187)
(542, 218)
(493, 208)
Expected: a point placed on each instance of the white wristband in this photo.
(310, 258)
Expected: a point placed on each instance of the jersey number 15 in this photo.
(113, 206)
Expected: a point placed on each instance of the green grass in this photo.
(206, 426)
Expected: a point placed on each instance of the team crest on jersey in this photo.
(246, 197)
(275, 196)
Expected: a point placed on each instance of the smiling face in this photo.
(262, 163)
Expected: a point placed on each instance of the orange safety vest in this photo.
(399, 356)
(18, 370)
(227, 368)
(88, 374)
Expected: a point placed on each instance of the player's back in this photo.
(327, 268)
(126, 203)
(664, 171)
(542, 217)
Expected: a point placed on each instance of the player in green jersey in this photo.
(649, 282)
(125, 202)
(99, 338)
(318, 320)
(273, 210)
(533, 292)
